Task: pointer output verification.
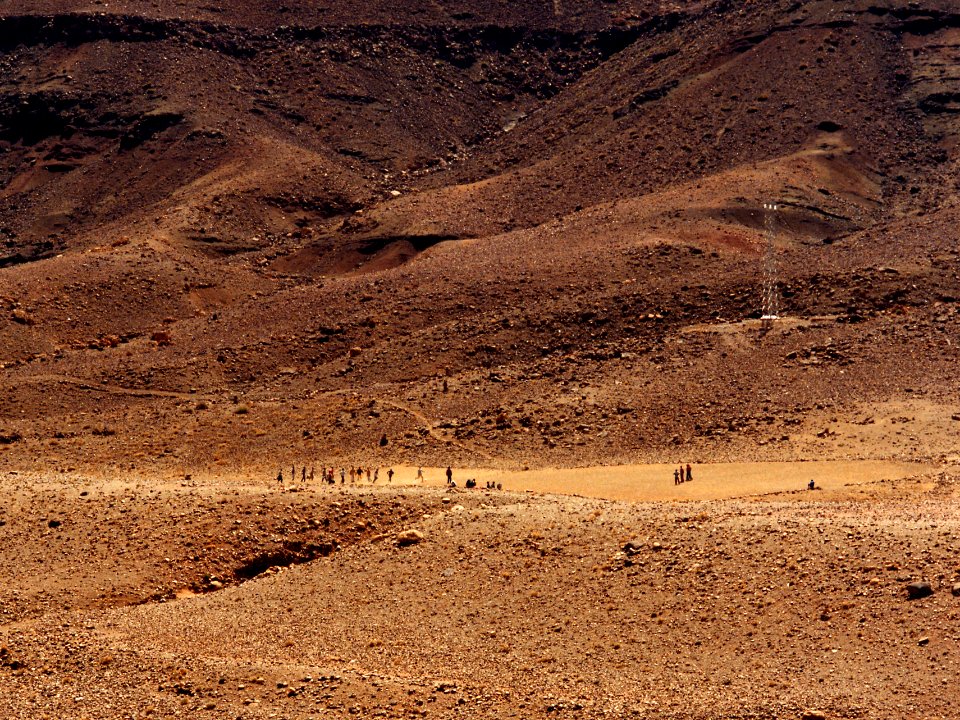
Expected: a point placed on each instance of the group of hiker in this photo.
(682, 474)
(328, 475)
(355, 475)
(471, 483)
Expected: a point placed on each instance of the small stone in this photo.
(813, 715)
(917, 590)
(632, 547)
(409, 537)
(955, 590)
(923, 641)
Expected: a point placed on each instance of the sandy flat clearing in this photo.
(652, 483)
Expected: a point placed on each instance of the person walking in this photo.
(689, 473)
(676, 477)
(449, 475)
(420, 474)
(390, 475)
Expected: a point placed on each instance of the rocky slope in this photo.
(513, 236)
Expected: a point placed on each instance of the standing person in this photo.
(689, 473)
(280, 479)
(368, 474)
(390, 475)
(420, 474)
(376, 474)
(449, 475)
(311, 473)
(303, 476)
(676, 477)
(353, 475)
(343, 476)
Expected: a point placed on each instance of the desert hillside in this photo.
(237, 237)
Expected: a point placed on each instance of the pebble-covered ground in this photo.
(231, 602)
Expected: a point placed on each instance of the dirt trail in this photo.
(431, 425)
(107, 388)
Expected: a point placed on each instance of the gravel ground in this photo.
(504, 605)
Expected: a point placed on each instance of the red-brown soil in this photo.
(517, 237)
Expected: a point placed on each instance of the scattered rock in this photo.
(162, 338)
(955, 590)
(917, 590)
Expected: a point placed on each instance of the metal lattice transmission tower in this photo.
(770, 301)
